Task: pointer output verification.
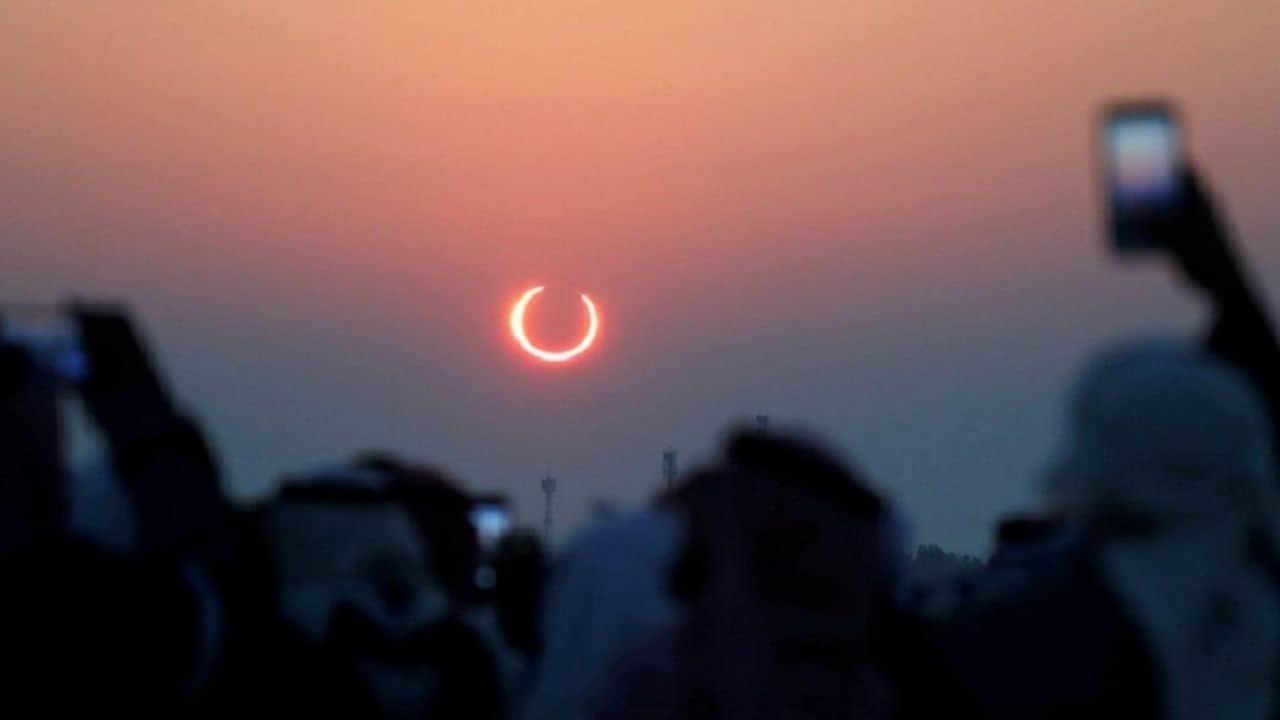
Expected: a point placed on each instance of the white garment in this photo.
(1170, 461)
(101, 510)
(606, 596)
(1211, 620)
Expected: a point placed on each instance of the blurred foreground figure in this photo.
(1157, 595)
(1149, 588)
(341, 596)
(607, 595)
(521, 568)
(156, 453)
(363, 562)
(1171, 470)
(84, 627)
(784, 571)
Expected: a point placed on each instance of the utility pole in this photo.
(548, 489)
(669, 470)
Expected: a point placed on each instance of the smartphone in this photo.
(491, 518)
(1143, 160)
(48, 334)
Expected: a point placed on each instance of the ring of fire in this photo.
(517, 329)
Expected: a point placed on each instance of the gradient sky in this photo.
(876, 220)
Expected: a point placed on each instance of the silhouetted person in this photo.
(521, 568)
(1157, 599)
(606, 595)
(1129, 596)
(347, 616)
(159, 454)
(85, 628)
(440, 512)
(781, 581)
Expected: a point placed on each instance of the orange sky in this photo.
(807, 183)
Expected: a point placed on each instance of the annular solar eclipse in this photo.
(517, 321)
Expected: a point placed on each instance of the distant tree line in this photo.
(931, 563)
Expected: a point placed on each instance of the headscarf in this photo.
(1170, 464)
(356, 579)
(787, 565)
(606, 596)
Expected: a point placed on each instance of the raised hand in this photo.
(123, 392)
(161, 455)
(1200, 243)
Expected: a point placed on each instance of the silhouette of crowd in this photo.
(771, 583)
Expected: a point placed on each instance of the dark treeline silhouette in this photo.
(931, 564)
(769, 583)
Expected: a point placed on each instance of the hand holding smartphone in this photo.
(1144, 165)
(1156, 201)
